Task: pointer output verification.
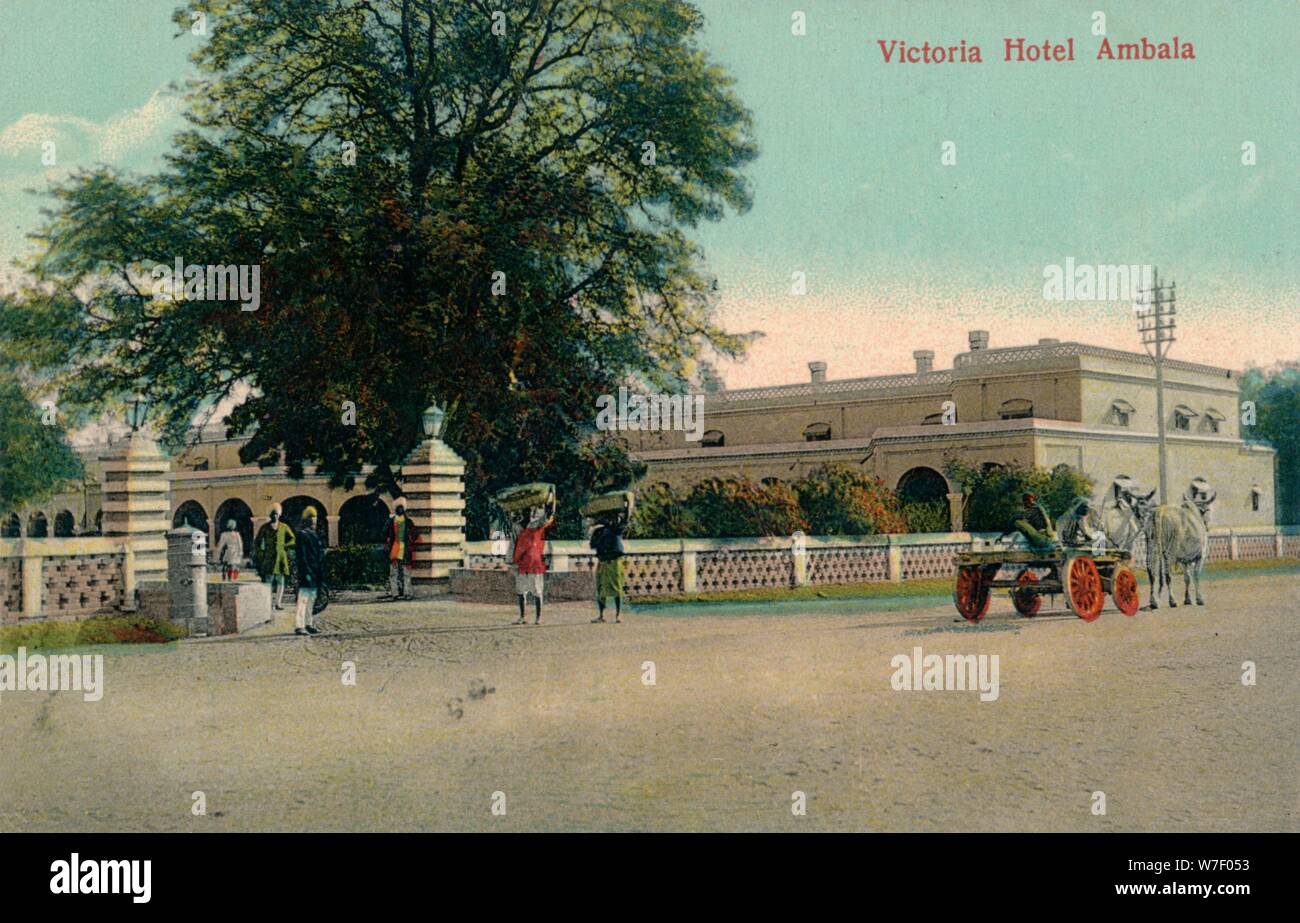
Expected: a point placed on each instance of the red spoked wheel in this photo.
(1124, 590)
(1026, 601)
(971, 594)
(1084, 590)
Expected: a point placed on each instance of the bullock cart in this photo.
(1085, 578)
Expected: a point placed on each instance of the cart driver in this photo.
(1073, 525)
(1035, 525)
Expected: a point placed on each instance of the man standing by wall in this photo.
(311, 573)
(272, 549)
(399, 549)
(230, 552)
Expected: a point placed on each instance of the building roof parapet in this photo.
(962, 362)
(1011, 354)
(810, 389)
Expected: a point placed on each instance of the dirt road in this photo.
(749, 705)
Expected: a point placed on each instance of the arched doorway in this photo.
(12, 527)
(921, 484)
(923, 493)
(362, 520)
(242, 514)
(191, 513)
(64, 524)
(38, 526)
(291, 512)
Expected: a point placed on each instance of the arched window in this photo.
(37, 525)
(1256, 498)
(713, 439)
(191, 513)
(238, 511)
(64, 524)
(362, 520)
(1121, 412)
(1183, 417)
(919, 485)
(12, 527)
(1016, 409)
(292, 510)
(817, 432)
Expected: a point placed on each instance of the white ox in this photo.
(1174, 535)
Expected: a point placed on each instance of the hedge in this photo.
(356, 567)
(833, 500)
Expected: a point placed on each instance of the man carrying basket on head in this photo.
(607, 541)
(528, 557)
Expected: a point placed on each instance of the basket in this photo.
(525, 496)
(621, 501)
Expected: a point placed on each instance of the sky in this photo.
(1100, 162)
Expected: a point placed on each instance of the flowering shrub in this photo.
(993, 494)
(834, 500)
(661, 513)
(741, 508)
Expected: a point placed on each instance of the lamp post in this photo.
(432, 420)
(136, 411)
(433, 482)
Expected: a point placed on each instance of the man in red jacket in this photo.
(527, 555)
(399, 549)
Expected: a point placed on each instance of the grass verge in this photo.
(113, 629)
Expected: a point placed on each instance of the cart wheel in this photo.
(971, 594)
(1026, 601)
(1124, 590)
(1084, 590)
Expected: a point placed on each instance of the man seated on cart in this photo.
(1074, 529)
(1035, 526)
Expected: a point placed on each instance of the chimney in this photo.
(818, 370)
(924, 360)
(979, 339)
(1048, 341)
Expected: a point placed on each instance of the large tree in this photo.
(1275, 393)
(35, 458)
(447, 203)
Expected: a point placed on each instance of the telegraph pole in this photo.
(1156, 311)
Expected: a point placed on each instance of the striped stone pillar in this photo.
(137, 505)
(433, 482)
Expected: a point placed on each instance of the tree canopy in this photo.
(1276, 395)
(35, 458)
(486, 205)
(993, 494)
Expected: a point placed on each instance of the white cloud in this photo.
(128, 139)
(108, 140)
